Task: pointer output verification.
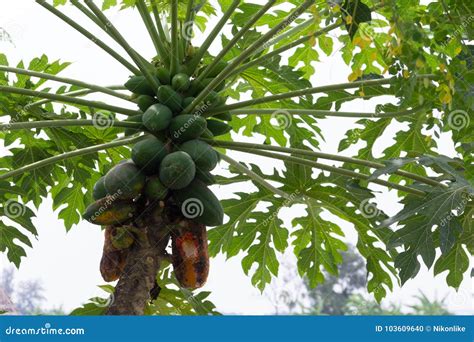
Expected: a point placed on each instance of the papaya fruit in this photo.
(145, 101)
(201, 153)
(212, 213)
(207, 134)
(157, 118)
(139, 85)
(226, 116)
(148, 154)
(154, 189)
(214, 99)
(109, 211)
(169, 97)
(122, 238)
(99, 191)
(218, 127)
(205, 176)
(124, 181)
(180, 82)
(186, 127)
(196, 87)
(177, 170)
(190, 255)
(187, 101)
(163, 75)
(113, 260)
(133, 118)
(216, 70)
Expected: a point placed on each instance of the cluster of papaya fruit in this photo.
(170, 166)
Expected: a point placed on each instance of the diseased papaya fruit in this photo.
(205, 177)
(186, 127)
(145, 101)
(163, 75)
(113, 260)
(122, 238)
(99, 191)
(133, 118)
(109, 211)
(154, 189)
(139, 85)
(218, 127)
(170, 98)
(212, 213)
(201, 153)
(124, 181)
(177, 170)
(148, 154)
(180, 82)
(190, 255)
(157, 118)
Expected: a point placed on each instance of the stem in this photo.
(156, 14)
(66, 123)
(69, 100)
(235, 39)
(159, 47)
(65, 80)
(139, 60)
(68, 155)
(210, 38)
(188, 24)
(302, 92)
(90, 36)
(254, 176)
(80, 92)
(174, 38)
(252, 146)
(323, 113)
(341, 171)
(246, 53)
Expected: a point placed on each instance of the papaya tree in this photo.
(139, 164)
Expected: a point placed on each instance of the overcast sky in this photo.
(68, 263)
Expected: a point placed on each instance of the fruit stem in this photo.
(159, 26)
(188, 25)
(174, 38)
(324, 167)
(193, 64)
(65, 80)
(69, 100)
(235, 39)
(245, 54)
(328, 156)
(71, 154)
(143, 65)
(90, 36)
(254, 176)
(66, 123)
(307, 91)
(151, 28)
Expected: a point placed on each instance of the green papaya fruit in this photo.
(157, 118)
(155, 189)
(205, 176)
(201, 153)
(207, 134)
(170, 98)
(187, 101)
(148, 154)
(109, 211)
(218, 127)
(177, 170)
(124, 181)
(145, 101)
(226, 116)
(198, 194)
(186, 127)
(99, 191)
(139, 85)
(163, 75)
(133, 118)
(180, 82)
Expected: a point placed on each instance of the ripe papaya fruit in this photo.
(180, 82)
(154, 189)
(113, 260)
(109, 211)
(133, 118)
(145, 101)
(124, 181)
(170, 98)
(139, 85)
(163, 75)
(157, 117)
(226, 116)
(99, 191)
(201, 153)
(186, 127)
(190, 255)
(148, 154)
(205, 177)
(212, 213)
(218, 127)
(177, 170)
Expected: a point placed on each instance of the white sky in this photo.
(68, 263)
